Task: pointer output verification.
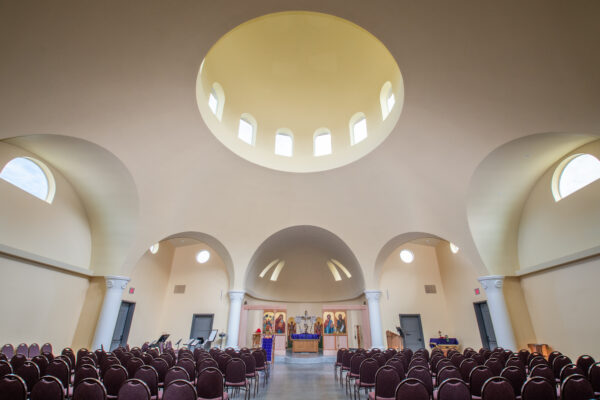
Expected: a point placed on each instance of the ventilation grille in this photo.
(179, 289)
(430, 289)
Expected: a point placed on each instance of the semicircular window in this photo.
(577, 173)
(29, 175)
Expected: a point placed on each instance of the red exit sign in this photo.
(477, 291)
(131, 290)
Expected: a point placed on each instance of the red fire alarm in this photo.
(477, 291)
(131, 290)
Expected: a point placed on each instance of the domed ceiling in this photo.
(301, 73)
(304, 264)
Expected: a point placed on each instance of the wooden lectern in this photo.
(394, 341)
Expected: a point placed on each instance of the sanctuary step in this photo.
(304, 358)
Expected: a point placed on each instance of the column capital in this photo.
(373, 295)
(116, 282)
(492, 282)
(236, 295)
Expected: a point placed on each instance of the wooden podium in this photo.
(394, 341)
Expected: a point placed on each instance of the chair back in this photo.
(453, 389)
(210, 383)
(47, 388)
(593, 374)
(30, 373)
(584, 362)
(68, 352)
(576, 387)
(176, 373)
(570, 369)
(113, 378)
(497, 388)
(386, 381)
(515, 362)
(34, 350)
(523, 355)
(558, 364)
(60, 369)
(495, 365)
(398, 365)
(133, 364)
(538, 388)
(479, 358)
(17, 361)
(41, 362)
(552, 356)
(5, 368)
(411, 389)
(457, 358)
(180, 390)
(367, 371)
(13, 387)
(516, 376)
(168, 358)
(149, 376)
(442, 363)
(161, 366)
(8, 350)
(22, 349)
(418, 361)
(235, 372)
(477, 378)
(355, 362)
(146, 358)
(422, 373)
(206, 363)
(189, 365)
(466, 367)
(89, 389)
(134, 389)
(449, 372)
(542, 370)
(85, 371)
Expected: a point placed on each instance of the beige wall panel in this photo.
(90, 311)
(59, 231)
(519, 313)
(460, 281)
(150, 279)
(561, 304)
(551, 229)
(404, 292)
(39, 304)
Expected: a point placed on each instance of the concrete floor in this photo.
(301, 381)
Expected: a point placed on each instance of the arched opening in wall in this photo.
(428, 285)
(180, 286)
(574, 173)
(247, 129)
(387, 99)
(216, 100)
(31, 176)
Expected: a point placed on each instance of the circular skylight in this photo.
(202, 256)
(407, 256)
(154, 248)
(270, 87)
(454, 248)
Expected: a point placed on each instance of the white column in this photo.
(503, 330)
(110, 311)
(373, 297)
(235, 310)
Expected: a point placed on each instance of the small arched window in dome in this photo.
(358, 128)
(284, 143)
(247, 129)
(216, 100)
(574, 173)
(31, 176)
(322, 143)
(387, 99)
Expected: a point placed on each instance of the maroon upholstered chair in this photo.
(3, 357)
(411, 389)
(48, 354)
(523, 355)
(114, 376)
(542, 370)
(449, 372)
(60, 369)
(235, 376)
(558, 364)
(261, 366)
(30, 373)
(421, 373)
(34, 350)
(209, 385)
(352, 374)
(453, 389)
(584, 362)
(516, 376)
(137, 352)
(107, 363)
(46, 348)
(497, 388)
(67, 361)
(179, 390)
(398, 365)
(386, 381)
(8, 350)
(176, 374)
(466, 367)
(456, 359)
(570, 369)
(576, 387)
(477, 378)
(207, 363)
(593, 374)
(479, 358)
(515, 362)
(168, 358)
(189, 365)
(366, 376)
(533, 355)
(85, 360)
(17, 361)
(418, 361)
(149, 376)
(68, 352)
(538, 388)
(552, 356)
(147, 358)
(48, 388)
(22, 349)
(5, 368)
(85, 371)
(89, 389)
(443, 363)
(134, 389)
(346, 358)
(83, 352)
(133, 364)
(495, 365)
(161, 366)
(13, 387)
(41, 362)
(251, 373)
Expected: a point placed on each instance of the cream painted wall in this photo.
(58, 231)
(460, 281)
(90, 311)
(519, 313)
(150, 279)
(562, 303)
(39, 304)
(404, 292)
(550, 229)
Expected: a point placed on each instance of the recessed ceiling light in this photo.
(407, 256)
(453, 248)
(202, 256)
(154, 248)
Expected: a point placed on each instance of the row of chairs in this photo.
(29, 351)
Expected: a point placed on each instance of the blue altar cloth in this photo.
(306, 336)
(437, 341)
(267, 344)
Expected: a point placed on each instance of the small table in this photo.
(305, 343)
(444, 344)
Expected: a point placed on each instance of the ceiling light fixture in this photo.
(202, 256)
(154, 248)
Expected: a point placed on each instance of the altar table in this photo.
(305, 343)
(444, 344)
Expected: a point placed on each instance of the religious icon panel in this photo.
(291, 326)
(268, 320)
(328, 323)
(318, 327)
(340, 323)
(279, 322)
